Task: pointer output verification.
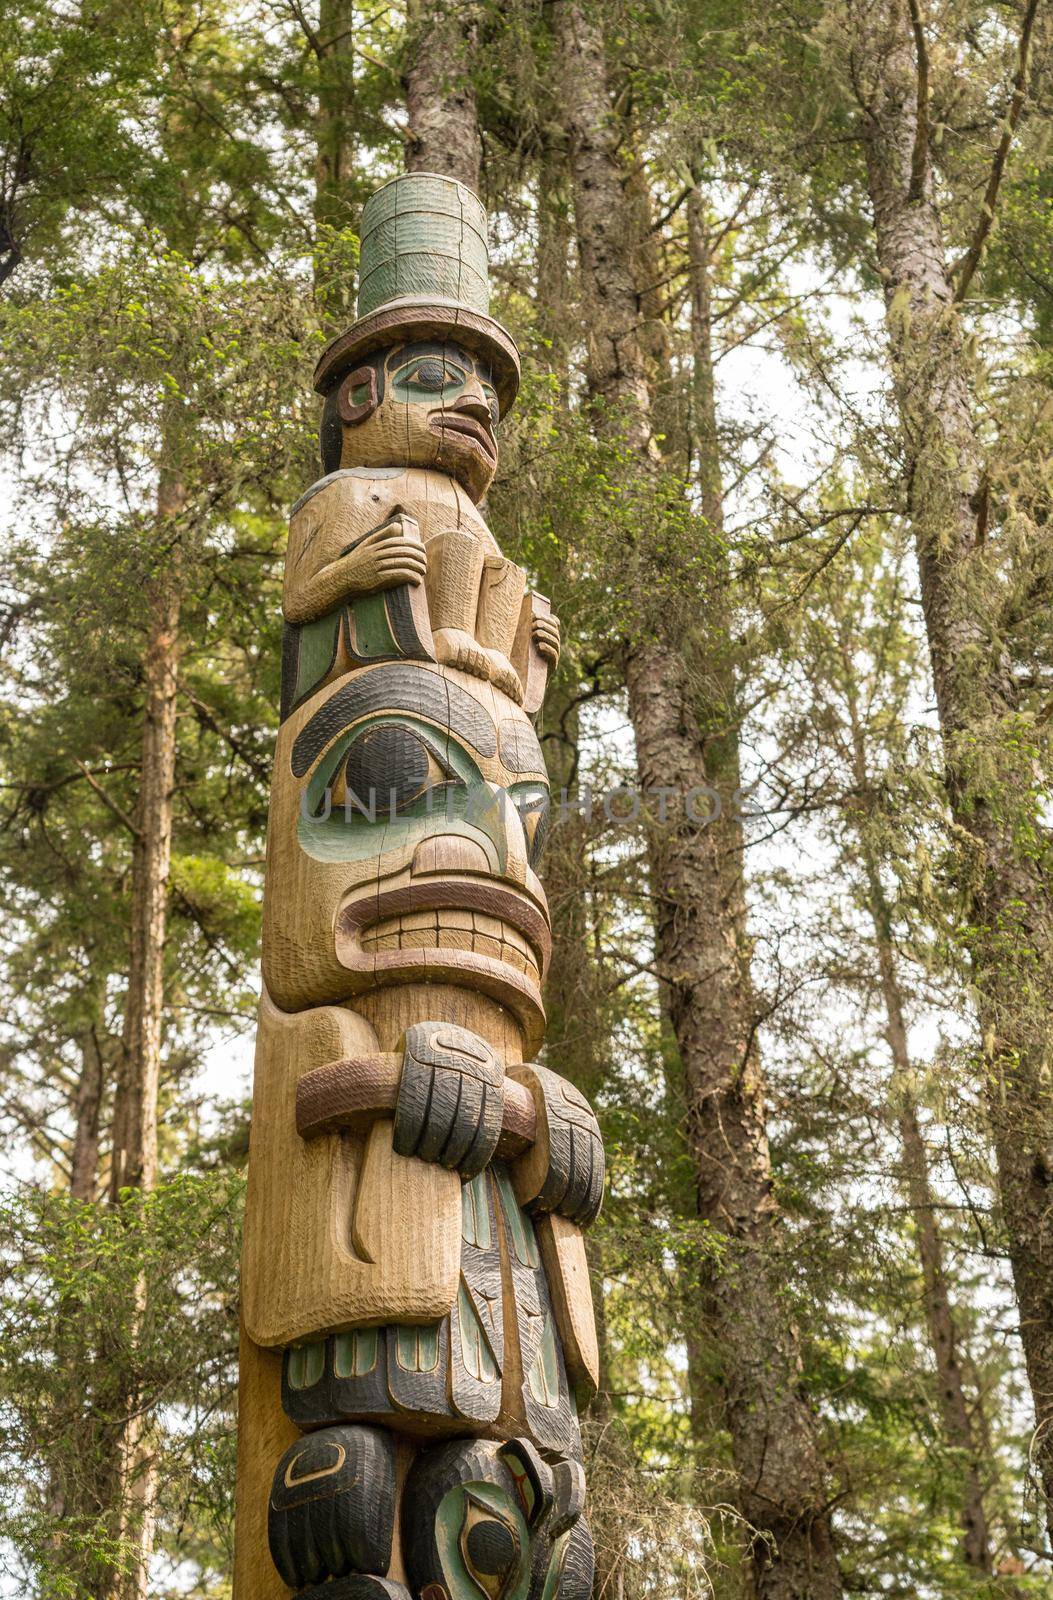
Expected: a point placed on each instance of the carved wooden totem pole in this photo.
(417, 1325)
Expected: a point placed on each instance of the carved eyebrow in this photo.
(395, 688)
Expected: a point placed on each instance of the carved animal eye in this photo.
(491, 1549)
(387, 768)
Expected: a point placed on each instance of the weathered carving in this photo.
(498, 1520)
(414, 1268)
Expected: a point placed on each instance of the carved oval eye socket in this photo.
(430, 375)
(388, 768)
(491, 1549)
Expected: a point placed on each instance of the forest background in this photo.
(781, 277)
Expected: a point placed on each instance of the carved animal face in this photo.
(435, 813)
(495, 1522)
(420, 405)
(419, 811)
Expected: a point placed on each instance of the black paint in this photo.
(332, 1505)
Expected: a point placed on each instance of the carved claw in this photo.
(451, 1098)
(332, 1506)
(564, 1169)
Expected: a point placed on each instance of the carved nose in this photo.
(447, 852)
(474, 406)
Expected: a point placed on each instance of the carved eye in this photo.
(491, 1548)
(432, 376)
(387, 768)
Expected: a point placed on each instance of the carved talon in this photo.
(451, 1098)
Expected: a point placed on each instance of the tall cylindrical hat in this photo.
(424, 274)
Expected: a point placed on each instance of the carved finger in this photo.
(564, 1171)
(547, 638)
(394, 572)
(401, 563)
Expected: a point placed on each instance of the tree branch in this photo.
(971, 259)
(108, 801)
(919, 160)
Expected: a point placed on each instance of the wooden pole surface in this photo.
(417, 1320)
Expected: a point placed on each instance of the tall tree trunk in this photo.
(135, 1147)
(334, 121)
(134, 1161)
(700, 919)
(334, 196)
(87, 1106)
(959, 1422)
(1002, 838)
(443, 133)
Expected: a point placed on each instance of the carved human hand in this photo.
(388, 556)
(451, 1098)
(564, 1169)
(546, 636)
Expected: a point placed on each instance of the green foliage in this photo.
(171, 275)
(107, 1313)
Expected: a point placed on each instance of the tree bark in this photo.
(941, 1322)
(1001, 836)
(134, 1160)
(135, 1146)
(443, 132)
(334, 121)
(334, 169)
(958, 1419)
(87, 1106)
(696, 883)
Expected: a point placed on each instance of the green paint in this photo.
(306, 1364)
(417, 1349)
(317, 651)
(464, 804)
(555, 1568)
(475, 1213)
(372, 631)
(543, 1377)
(423, 236)
(355, 1354)
(520, 1227)
(450, 1523)
(475, 1348)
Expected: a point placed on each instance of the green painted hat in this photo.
(424, 274)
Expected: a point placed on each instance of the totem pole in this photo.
(418, 1330)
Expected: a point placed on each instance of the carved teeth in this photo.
(453, 930)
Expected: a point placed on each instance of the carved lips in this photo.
(445, 928)
(466, 430)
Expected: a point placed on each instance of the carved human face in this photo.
(421, 405)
